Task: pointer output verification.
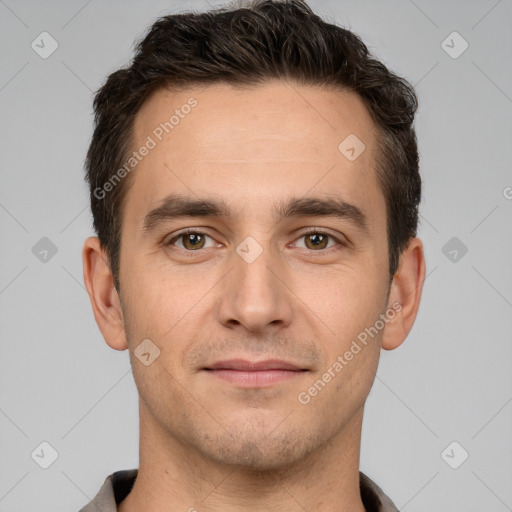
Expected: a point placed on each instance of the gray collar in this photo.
(119, 484)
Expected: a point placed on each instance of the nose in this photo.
(256, 294)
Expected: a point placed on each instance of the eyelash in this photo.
(312, 231)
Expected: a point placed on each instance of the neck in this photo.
(176, 477)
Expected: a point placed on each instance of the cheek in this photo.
(347, 299)
(147, 308)
(164, 307)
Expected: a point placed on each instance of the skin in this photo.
(207, 444)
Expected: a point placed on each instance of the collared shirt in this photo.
(119, 484)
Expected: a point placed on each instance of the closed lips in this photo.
(249, 366)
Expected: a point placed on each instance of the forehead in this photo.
(274, 111)
(261, 142)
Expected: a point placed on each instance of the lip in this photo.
(250, 366)
(250, 374)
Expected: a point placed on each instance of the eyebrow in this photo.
(177, 206)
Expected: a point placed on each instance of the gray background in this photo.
(450, 381)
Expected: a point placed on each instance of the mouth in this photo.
(250, 374)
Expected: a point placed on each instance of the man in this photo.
(255, 188)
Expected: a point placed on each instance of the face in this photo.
(220, 269)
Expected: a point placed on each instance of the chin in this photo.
(259, 451)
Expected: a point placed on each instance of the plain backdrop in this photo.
(451, 381)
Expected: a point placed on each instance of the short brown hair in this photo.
(247, 46)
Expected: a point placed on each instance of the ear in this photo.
(103, 295)
(406, 290)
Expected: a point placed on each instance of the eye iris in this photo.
(317, 239)
(196, 240)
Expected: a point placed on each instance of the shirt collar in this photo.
(119, 484)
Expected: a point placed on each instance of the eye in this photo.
(314, 240)
(317, 240)
(191, 240)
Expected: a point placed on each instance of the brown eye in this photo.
(190, 241)
(316, 240)
(193, 241)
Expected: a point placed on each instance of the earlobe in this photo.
(104, 298)
(406, 290)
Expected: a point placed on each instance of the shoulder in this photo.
(373, 497)
(115, 488)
